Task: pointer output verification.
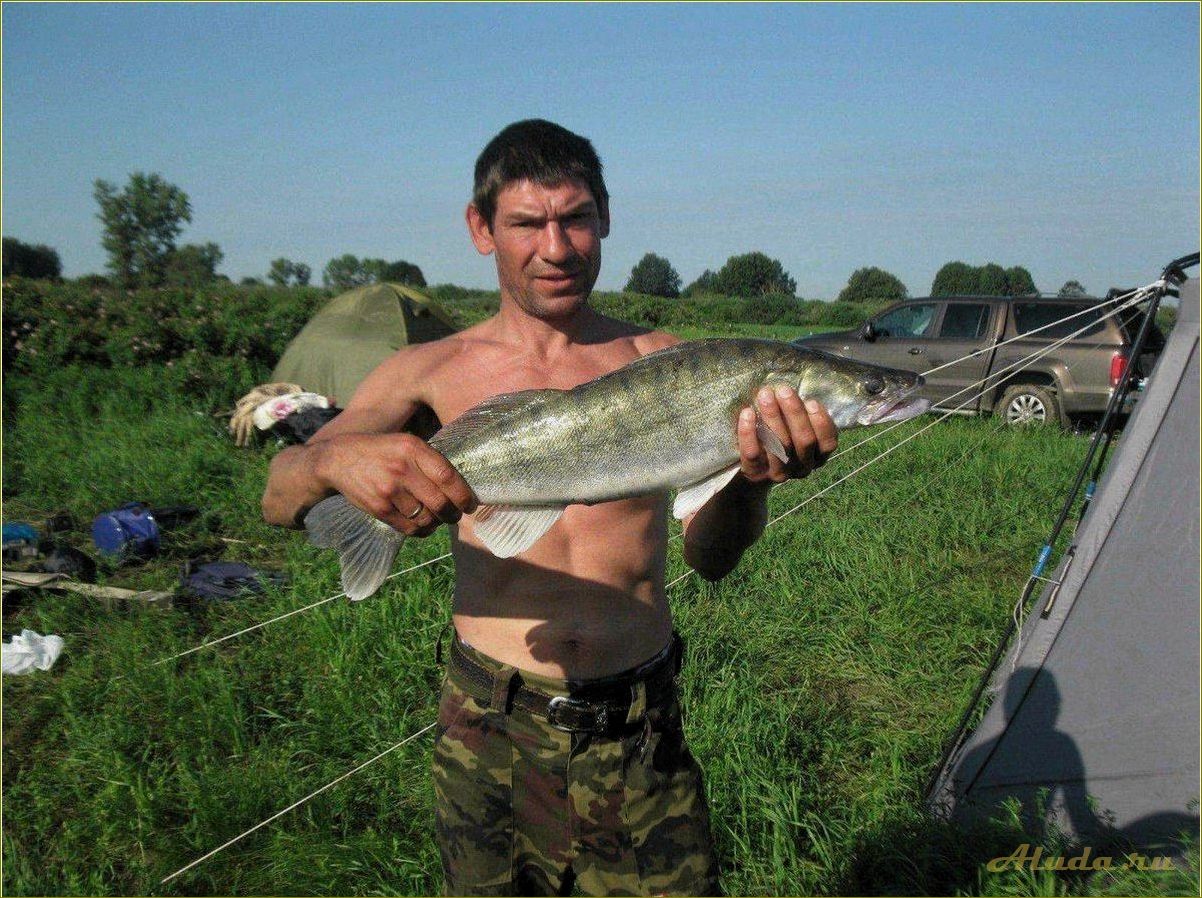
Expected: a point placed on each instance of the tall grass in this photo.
(821, 677)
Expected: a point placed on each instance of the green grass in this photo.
(822, 675)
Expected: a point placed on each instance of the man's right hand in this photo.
(398, 478)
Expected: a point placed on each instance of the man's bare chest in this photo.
(466, 382)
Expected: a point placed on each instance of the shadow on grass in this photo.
(913, 854)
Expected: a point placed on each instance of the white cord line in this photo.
(1135, 296)
(430, 726)
(822, 492)
(297, 804)
(1037, 354)
(1135, 300)
(1026, 362)
(288, 614)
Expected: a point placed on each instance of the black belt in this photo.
(599, 706)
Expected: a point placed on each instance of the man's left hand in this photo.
(803, 428)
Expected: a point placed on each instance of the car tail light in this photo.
(1118, 367)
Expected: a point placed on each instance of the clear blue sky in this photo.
(1062, 138)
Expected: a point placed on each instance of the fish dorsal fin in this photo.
(508, 530)
(489, 411)
(695, 495)
(684, 348)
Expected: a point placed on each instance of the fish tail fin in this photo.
(366, 546)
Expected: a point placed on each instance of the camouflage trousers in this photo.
(524, 808)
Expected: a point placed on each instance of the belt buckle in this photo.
(560, 703)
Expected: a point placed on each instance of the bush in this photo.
(955, 279)
(654, 276)
(225, 337)
(1072, 290)
(769, 309)
(347, 271)
(399, 272)
(92, 281)
(466, 305)
(873, 284)
(1019, 282)
(284, 272)
(202, 331)
(703, 311)
(29, 261)
(193, 265)
(703, 286)
(960, 279)
(753, 274)
(1166, 318)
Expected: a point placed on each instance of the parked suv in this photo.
(1074, 379)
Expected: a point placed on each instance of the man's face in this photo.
(547, 241)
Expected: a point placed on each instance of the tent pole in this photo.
(1173, 273)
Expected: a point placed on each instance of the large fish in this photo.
(666, 421)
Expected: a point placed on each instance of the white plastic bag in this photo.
(29, 651)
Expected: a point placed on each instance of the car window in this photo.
(906, 321)
(1029, 316)
(964, 321)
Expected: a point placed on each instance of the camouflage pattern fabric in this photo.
(526, 809)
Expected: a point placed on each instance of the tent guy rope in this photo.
(1119, 303)
(1029, 359)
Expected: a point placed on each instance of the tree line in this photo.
(755, 274)
(141, 221)
(140, 224)
(750, 274)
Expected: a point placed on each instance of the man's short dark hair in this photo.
(539, 151)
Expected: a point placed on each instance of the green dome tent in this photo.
(355, 332)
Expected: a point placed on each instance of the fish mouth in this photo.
(898, 408)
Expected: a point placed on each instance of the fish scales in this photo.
(571, 447)
(665, 421)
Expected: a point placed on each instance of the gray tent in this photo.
(1100, 705)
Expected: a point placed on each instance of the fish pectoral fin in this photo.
(769, 440)
(366, 546)
(693, 496)
(508, 530)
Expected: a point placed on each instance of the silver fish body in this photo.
(665, 421)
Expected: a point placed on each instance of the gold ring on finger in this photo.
(413, 514)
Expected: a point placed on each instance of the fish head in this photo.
(855, 394)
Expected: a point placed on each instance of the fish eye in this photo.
(873, 385)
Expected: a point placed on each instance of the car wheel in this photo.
(1030, 404)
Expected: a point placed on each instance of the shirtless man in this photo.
(560, 759)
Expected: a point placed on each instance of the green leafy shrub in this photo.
(49, 327)
(873, 284)
(226, 336)
(654, 276)
(769, 308)
(961, 279)
(466, 305)
(753, 274)
(30, 261)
